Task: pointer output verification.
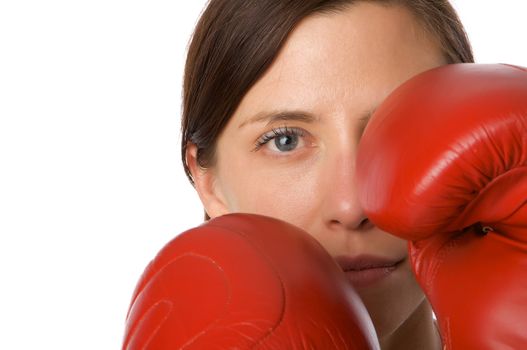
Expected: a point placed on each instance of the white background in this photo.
(91, 183)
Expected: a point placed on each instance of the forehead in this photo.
(366, 48)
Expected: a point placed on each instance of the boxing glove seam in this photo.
(514, 66)
(270, 263)
(139, 322)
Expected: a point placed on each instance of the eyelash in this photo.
(277, 132)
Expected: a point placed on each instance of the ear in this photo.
(206, 185)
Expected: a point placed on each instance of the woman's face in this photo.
(289, 150)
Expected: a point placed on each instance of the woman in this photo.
(276, 96)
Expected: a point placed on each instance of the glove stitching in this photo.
(281, 317)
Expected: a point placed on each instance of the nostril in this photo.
(334, 223)
(360, 224)
(366, 224)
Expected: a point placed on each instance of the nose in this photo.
(341, 209)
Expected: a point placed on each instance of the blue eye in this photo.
(284, 139)
(286, 143)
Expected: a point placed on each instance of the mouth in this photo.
(367, 270)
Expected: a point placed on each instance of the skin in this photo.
(336, 69)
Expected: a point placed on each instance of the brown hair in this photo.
(235, 42)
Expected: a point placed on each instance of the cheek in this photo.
(395, 243)
(283, 191)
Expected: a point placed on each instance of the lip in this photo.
(366, 270)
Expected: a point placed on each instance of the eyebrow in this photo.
(271, 117)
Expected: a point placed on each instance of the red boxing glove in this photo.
(443, 164)
(245, 281)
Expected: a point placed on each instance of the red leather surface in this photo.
(445, 155)
(244, 281)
